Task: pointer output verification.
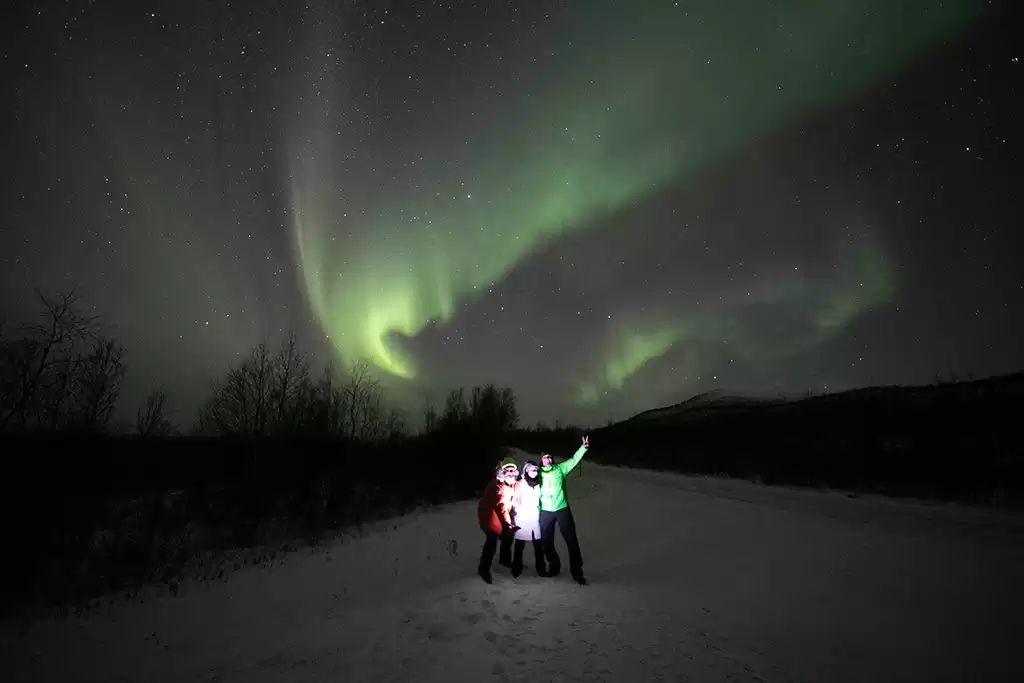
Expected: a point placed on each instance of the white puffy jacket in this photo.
(526, 510)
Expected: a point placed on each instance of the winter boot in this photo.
(538, 558)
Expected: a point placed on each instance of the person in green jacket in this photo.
(554, 509)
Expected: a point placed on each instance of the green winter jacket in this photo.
(552, 497)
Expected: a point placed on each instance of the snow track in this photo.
(691, 579)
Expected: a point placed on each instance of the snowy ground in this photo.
(691, 579)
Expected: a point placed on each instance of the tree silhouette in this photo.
(97, 385)
(238, 405)
(271, 393)
(289, 382)
(60, 373)
(325, 408)
(151, 418)
(494, 409)
(455, 410)
(489, 409)
(431, 420)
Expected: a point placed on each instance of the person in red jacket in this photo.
(495, 513)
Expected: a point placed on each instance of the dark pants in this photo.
(491, 544)
(567, 526)
(538, 556)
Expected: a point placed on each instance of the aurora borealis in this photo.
(606, 123)
(605, 205)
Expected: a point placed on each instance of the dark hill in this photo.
(950, 441)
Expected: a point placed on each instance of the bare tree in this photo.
(509, 412)
(366, 417)
(151, 418)
(39, 370)
(290, 382)
(495, 408)
(353, 406)
(301, 410)
(455, 410)
(54, 398)
(327, 410)
(431, 420)
(371, 420)
(273, 393)
(98, 385)
(359, 393)
(239, 404)
(489, 409)
(394, 425)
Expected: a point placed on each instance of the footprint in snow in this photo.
(437, 632)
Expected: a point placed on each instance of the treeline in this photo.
(277, 456)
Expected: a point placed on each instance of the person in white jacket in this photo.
(526, 517)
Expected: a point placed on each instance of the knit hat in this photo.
(508, 460)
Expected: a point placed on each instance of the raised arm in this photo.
(567, 466)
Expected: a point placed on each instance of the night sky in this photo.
(608, 206)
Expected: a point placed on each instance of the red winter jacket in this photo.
(495, 506)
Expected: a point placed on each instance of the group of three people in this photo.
(515, 509)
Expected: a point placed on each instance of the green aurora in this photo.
(641, 101)
(863, 281)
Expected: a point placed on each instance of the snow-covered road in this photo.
(692, 579)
